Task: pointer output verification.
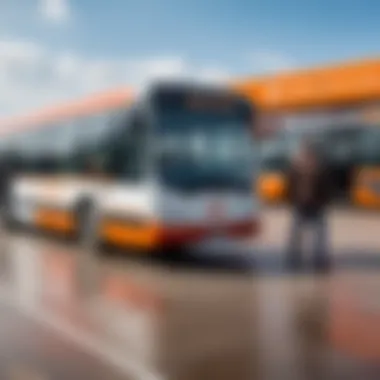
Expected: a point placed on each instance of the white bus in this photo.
(171, 167)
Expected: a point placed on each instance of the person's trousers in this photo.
(316, 222)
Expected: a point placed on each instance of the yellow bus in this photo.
(172, 166)
(340, 105)
(351, 151)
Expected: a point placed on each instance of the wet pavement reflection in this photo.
(115, 317)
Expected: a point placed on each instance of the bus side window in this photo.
(136, 148)
(31, 151)
(87, 154)
(46, 141)
(2, 149)
(82, 147)
(368, 147)
(14, 154)
(126, 149)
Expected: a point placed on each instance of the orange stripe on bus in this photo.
(271, 187)
(125, 234)
(363, 196)
(55, 220)
(121, 233)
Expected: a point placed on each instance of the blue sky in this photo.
(228, 31)
(235, 37)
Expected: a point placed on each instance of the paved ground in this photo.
(353, 236)
(30, 350)
(349, 229)
(66, 313)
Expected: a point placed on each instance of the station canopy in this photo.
(334, 86)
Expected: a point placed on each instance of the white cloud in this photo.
(55, 11)
(214, 74)
(25, 51)
(33, 76)
(267, 61)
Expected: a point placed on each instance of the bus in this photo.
(169, 167)
(351, 151)
(274, 157)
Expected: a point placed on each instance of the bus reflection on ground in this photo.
(210, 325)
(117, 321)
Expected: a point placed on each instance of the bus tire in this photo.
(7, 219)
(173, 255)
(84, 214)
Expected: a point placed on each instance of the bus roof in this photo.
(81, 107)
(99, 102)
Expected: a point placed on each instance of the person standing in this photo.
(309, 193)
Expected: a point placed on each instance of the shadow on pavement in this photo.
(271, 262)
(261, 261)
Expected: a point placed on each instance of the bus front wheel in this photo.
(85, 223)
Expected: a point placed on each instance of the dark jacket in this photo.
(322, 189)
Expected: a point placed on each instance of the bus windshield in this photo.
(274, 154)
(368, 143)
(339, 146)
(204, 144)
(353, 145)
(350, 145)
